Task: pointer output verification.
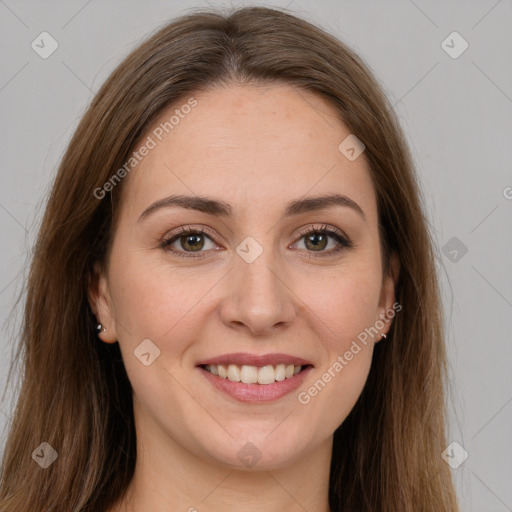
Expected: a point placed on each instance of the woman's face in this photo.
(264, 286)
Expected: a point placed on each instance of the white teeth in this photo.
(254, 374)
(281, 372)
(249, 374)
(234, 373)
(266, 375)
(222, 371)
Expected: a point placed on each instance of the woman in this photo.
(296, 362)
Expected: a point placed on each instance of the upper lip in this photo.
(244, 358)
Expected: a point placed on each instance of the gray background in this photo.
(456, 113)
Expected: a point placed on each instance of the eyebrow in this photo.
(223, 209)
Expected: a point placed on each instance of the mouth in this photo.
(249, 378)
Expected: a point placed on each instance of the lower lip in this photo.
(257, 393)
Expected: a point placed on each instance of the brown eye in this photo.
(187, 242)
(316, 241)
(193, 242)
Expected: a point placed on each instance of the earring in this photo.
(100, 328)
(384, 336)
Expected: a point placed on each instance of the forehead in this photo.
(253, 146)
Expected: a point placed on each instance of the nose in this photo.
(259, 297)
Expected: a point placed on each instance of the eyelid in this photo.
(192, 228)
(312, 228)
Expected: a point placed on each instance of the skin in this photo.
(255, 147)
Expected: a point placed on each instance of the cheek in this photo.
(331, 395)
(343, 304)
(157, 302)
(343, 312)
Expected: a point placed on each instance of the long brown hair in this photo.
(75, 394)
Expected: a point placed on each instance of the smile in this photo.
(269, 390)
(248, 374)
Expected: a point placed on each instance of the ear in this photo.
(101, 303)
(387, 295)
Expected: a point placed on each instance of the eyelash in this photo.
(343, 241)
